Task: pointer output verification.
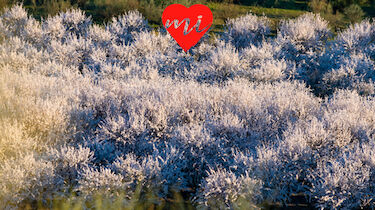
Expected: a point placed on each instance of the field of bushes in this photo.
(119, 115)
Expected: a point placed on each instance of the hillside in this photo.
(339, 14)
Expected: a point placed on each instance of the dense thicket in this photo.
(88, 109)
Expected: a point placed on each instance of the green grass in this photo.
(149, 201)
(223, 11)
(101, 201)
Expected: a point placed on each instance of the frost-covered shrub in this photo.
(262, 64)
(307, 32)
(69, 161)
(356, 72)
(283, 168)
(130, 168)
(25, 179)
(343, 182)
(256, 55)
(177, 65)
(222, 64)
(157, 173)
(127, 25)
(270, 71)
(16, 22)
(357, 38)
(349, 61)
(149, 43)
(99, 36)
(74, 21)
(246, 30)
(19, 56)
(101, 180)
(330, 153)
(53, 29)
(72, 53)
(223, 189)
(302, 40)
(64, 25)
(302, 161)
(350, 117)
(30, 117)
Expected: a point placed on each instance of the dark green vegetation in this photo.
(338, 12)
(151, 202)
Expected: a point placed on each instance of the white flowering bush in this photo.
(239, 121)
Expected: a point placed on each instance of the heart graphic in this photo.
(187, 25)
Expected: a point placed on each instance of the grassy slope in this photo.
(223, 11)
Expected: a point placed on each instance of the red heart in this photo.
(187, 25)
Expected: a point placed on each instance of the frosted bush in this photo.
(130, 168)
(53, 29)
(27, 178)
(302, 40)
(148, 43)
(157, 172)
(101, 180)
(141, 129)
(2, 34)
(302, 158)
(270, 71)
(127, 25)
(72, 53)
(64, 25)
(75, 21)
(69, 161)
(223, 64)
(262, 64)
(178, 65)
(357, 38)
(100, 36)
(320, 150)
(356, 72)
(202, 51)
(223, 189)
(307, 32)
(246, 30)
(343, 182)
(14, 20)
(255, 55)
(285, 166)
(357, 126)
(348, 62)
(27, 110)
